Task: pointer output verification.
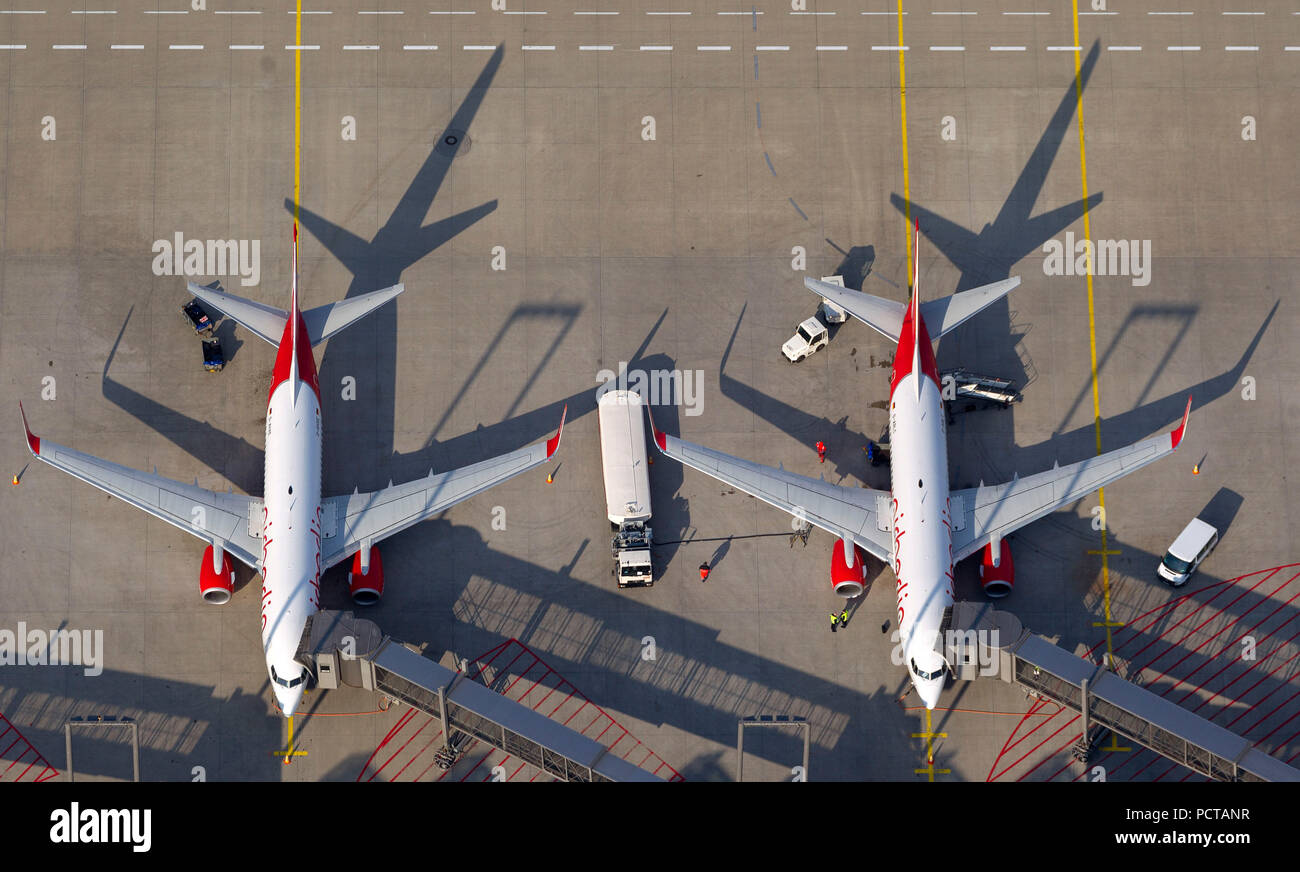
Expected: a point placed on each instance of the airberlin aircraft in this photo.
(291, 535)
(920, 527)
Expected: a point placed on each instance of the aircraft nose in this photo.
(929, 692)
(288, 699)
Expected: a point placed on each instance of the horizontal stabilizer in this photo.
(886, 316)
(943, 316)
(324, 321)
(266, 321)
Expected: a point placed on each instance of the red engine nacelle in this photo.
(997, 571)
(216, 587)
(366, 587)
(848, 581)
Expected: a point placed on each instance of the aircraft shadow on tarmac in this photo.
(1076, 444)
(591, 634)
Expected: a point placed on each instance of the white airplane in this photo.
(292, 535)
(919, 527)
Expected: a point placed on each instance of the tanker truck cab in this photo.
(1192, 546)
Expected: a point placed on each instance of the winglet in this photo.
(33, 441)
(661, 438)
(553, 444)
(1177, 435)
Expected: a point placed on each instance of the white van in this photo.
(1192, 546)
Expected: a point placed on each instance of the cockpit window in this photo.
(928, 676)
(293, 682)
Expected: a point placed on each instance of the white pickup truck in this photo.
(812, 335)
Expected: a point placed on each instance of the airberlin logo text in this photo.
(77, 825)
(179, 256)
(1105, 257)
(38, 647)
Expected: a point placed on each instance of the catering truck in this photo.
(627, 486)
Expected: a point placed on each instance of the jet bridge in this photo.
(339, 647)
(1106, 700)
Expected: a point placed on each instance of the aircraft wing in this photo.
(990, 512)
(854, 513)
(369, 518)
(210, 516)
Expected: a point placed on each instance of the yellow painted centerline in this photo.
(902, 99)
(1107, 623)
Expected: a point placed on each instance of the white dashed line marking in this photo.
(876, 13)
(361, 48)
(419, 48)
(953, 13)
(595, 48)
(1241, 48)
(752, 12)
(480, 48)
(75, 12)
(68, 47)
(1184, 48)
(126, 47)
(452, 12)
(379, 12)
(1006, 48)
(832, 48)
(595, 13)
(538, 48)
(668, 13)
(15, 47)
(889, 48)
(713, 48)
(947, 48)
(313, 12)
(1292, 48)
(1026, 13)
(771, 48)
(1063, 48)
(24, 12)
(247, 47)
(522, 12)
(237, 12)
(811, 13)
(185, 47)
(656, 48)
(1123, 48)
(302, 48)
(1169, 13)
(1243, 13)
(165, 11)
(1099, 13)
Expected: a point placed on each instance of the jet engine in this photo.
(997, 569)
(366, 586)
(848, 581)
(216, 587)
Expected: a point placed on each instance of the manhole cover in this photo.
(452, 143)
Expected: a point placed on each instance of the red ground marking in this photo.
(520, 686)
(44, 773)
(1135, 630)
